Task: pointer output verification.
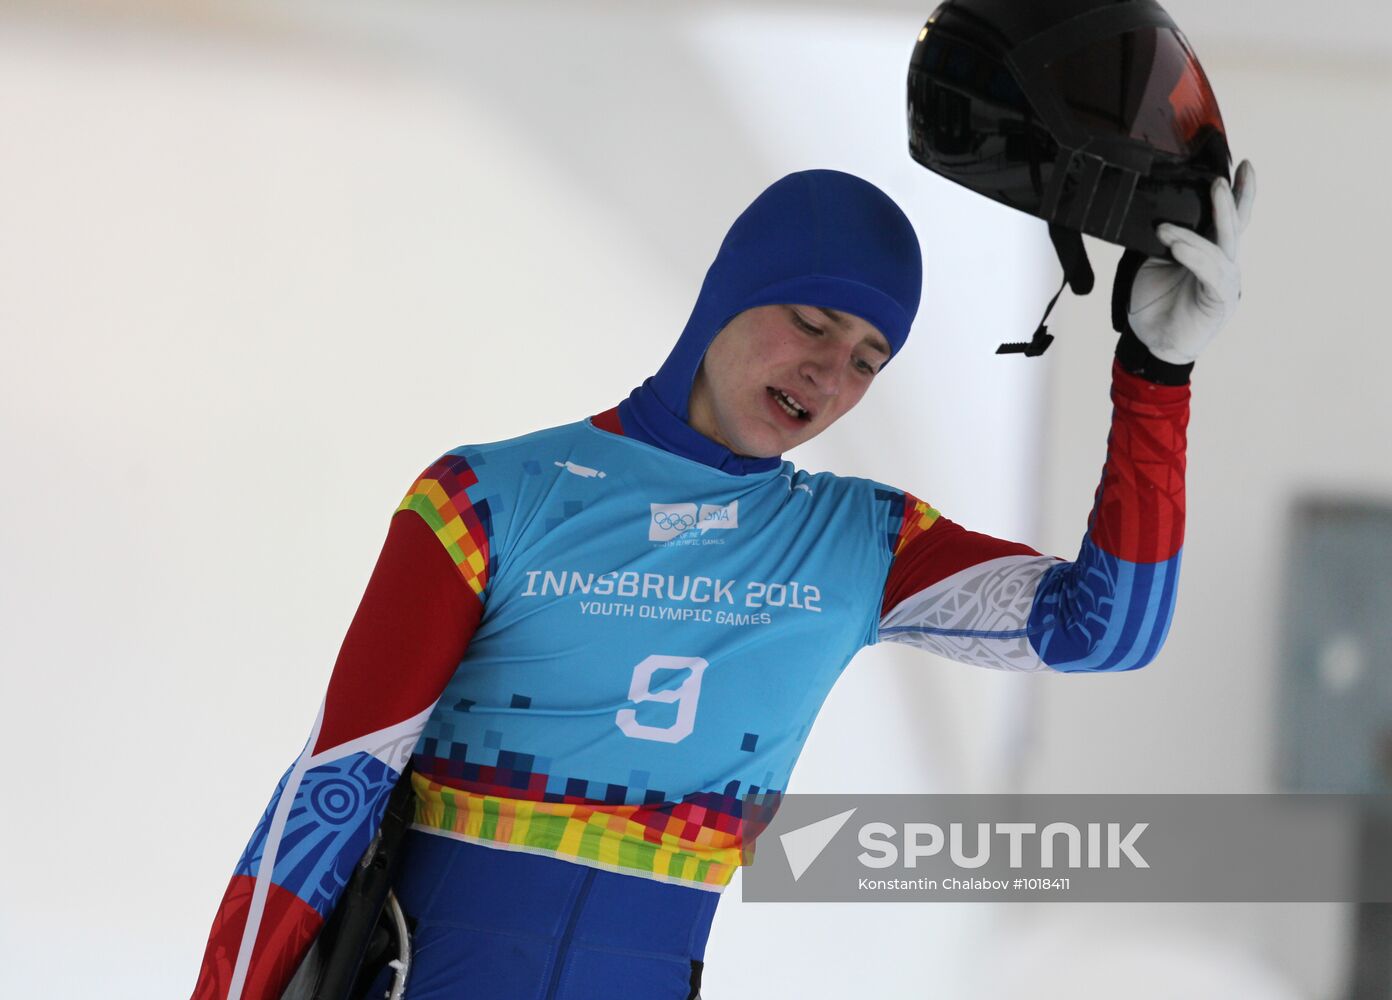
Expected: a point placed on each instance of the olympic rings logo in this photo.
(674, 522)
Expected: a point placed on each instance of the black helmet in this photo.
(1093, 115)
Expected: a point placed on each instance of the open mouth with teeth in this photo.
(789, 405)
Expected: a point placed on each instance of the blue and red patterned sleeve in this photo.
(1000, 604)
(421, 606)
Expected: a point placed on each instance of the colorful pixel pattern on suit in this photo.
(439, 495)
(657, 638)
(698, 840)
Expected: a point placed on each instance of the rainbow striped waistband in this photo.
(689, 842)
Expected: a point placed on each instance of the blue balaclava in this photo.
(818, 238)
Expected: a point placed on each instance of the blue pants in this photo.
(502, 925)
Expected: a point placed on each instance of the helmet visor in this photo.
(1144, 84)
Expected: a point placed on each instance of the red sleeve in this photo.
(410, 631)
(923, 557)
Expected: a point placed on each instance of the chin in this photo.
(764, 441)
(753, 449)
(771, 449)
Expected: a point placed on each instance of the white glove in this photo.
(1178, 306)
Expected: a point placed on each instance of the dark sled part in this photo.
(359, 937)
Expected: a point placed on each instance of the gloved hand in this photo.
(1178, 306)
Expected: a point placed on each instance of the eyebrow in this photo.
(842, 320)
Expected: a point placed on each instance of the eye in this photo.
(805, 326)
(865, 367)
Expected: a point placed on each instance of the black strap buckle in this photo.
(1030, 348)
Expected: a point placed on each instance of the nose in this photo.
(826, 368)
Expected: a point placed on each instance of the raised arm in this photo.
(983, 600)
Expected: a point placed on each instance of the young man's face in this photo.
(777, 376)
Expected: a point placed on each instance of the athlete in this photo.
(602, 644)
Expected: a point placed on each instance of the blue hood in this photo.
(818, 238)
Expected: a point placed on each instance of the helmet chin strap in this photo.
(1077, 275)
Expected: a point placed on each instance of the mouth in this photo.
(789, 405)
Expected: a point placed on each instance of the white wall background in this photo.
(259, 265)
